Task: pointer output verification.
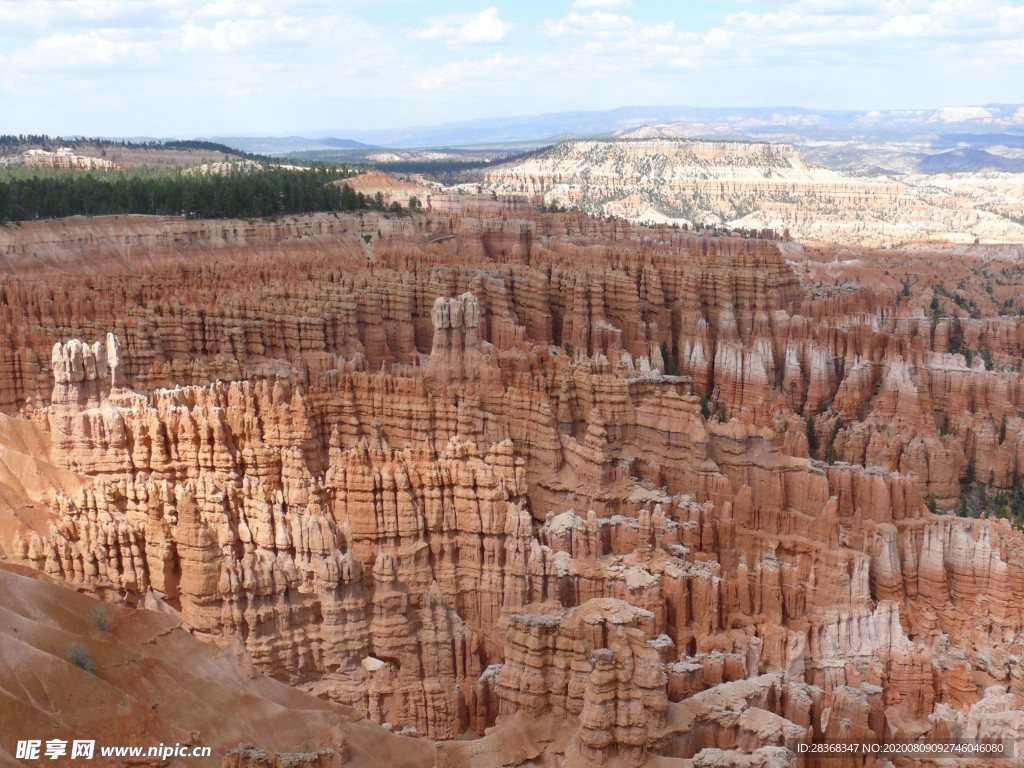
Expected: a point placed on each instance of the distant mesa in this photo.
(759, 186)
(62, 158)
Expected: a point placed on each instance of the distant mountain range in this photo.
(894, 141)
(896, 159)
(754, 122)
(843, 124)
(274, 145)
(965, 160)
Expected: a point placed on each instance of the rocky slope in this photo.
(69, 661)
(391, 189)
(63, 158)
(596, 493)
(761, 186)
(95, 154)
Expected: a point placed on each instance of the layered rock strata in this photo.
(489, 469)
(764, 188)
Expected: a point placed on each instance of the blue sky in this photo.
(218, 67)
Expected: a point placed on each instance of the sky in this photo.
(188, 68)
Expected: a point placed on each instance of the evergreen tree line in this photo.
(10, 141)
(211, 146)
(236, 194)
(24, 141)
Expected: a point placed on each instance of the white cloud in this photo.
(74, 65)
(795, 34)
(470, 29)
(827, 26)
(87, 50)
(222, 8)
(231, 35)
(46, 14)
(461, 75)
(484, 27)
(584, 24)
(588, 4)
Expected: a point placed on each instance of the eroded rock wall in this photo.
(487, 465)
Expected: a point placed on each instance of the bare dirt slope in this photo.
(154, 684)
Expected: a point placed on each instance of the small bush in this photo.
(101, 618)
(80, 657)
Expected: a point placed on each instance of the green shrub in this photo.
(830, 453)
(101, 618)
(80, 657)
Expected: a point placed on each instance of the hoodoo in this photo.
(549, 488)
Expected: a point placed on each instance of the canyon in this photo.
(487, 486)
(761, 186)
